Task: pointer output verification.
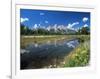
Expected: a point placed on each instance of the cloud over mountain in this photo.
(70, 26)
(85, 25)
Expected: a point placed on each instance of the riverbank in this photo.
(80, 56)
(47, 38)
(25, 40)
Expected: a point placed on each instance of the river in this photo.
(46, 55)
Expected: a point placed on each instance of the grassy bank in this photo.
(46, 38)
(79, 56)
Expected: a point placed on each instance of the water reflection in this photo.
(73, 43)
(36, 45)
(46, 55)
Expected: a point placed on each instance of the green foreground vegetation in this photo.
(80, 56)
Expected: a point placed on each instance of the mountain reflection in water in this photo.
(46, 55)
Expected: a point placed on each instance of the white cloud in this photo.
(46, 22)
(85, 19)
(70, 26)
(85, 25)
(42, 14)
(24, 19)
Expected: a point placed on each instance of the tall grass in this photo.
(80, 56)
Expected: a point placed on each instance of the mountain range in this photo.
(56, 29)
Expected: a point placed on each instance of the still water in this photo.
(46, 55)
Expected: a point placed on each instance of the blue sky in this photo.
(31, 17)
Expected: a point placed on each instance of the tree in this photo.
(22, 29)
(25, 30)
(85, 30)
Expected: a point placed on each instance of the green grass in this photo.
(80, 56)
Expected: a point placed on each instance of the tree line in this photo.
(40, 31)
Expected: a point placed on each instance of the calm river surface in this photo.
(46, 55)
